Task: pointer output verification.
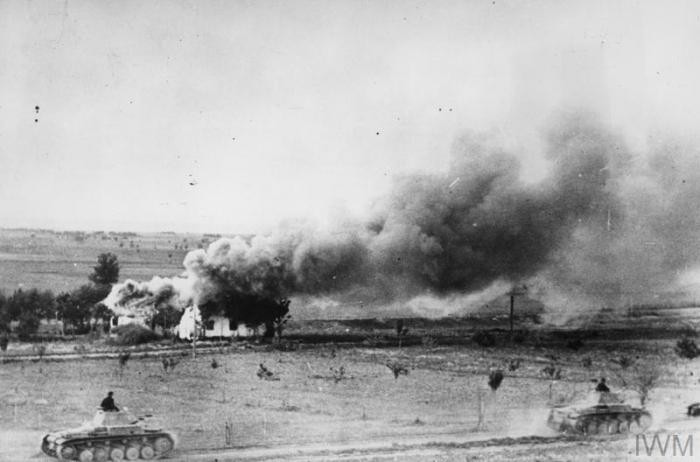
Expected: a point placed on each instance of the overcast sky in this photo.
(230, 116)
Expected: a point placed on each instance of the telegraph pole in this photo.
(194, 334)
(512, 303)
(515, 290)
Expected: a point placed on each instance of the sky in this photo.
(231, 116)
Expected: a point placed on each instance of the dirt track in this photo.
(474, 447)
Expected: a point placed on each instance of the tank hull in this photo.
(600, 420)
(118, 440)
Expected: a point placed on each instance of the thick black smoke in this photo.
(605, 225)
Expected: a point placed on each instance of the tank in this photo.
(111, 436)
(605, 414)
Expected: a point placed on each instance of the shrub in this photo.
(623, 361)
(495, 379)
(484, 338)
(552, 372)
(397, 368)
(338, 373)
(133, 334)
(686, 348)
(514, 365)
(169, 364)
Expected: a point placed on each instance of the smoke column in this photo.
(605, 227)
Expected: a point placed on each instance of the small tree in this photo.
(72, 312)
(169, 364)
(4, 314)
(640, 376)
(28, 324)
(553, 373)
(100, 312)
(686, 348)
(495, 379)
(280, 322)
(28, 307)
(123, 361)
(82, 304)
(645, 378)
(107, 270)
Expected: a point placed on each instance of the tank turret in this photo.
(111, 436)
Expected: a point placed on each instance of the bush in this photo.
(484, 338)
(686, 348)
(495, 379)
(133, 334)
(397, 368)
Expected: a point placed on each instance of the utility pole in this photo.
(194, 334)
(512, 303)
(515, 290)
(194, 342)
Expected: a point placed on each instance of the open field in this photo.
(314, 411)
(308, 406)
(61, 261)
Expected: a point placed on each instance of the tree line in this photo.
(80, 310)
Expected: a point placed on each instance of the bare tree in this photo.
(643, 378)
(553, 373)
(280, 322)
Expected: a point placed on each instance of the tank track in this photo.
(148, 446)
(611, 424)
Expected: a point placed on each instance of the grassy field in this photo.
(309, 402)
(61, 261)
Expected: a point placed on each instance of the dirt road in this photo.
(444, 447)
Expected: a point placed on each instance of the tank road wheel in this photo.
(147, 452)
(132, 452)
(603, 427)
(591, 427)
(65, 453)
(163, 445)
(634, 427)
(86, 455)
(117, 454)
(624, 427)
(611, 427)
(101, 454)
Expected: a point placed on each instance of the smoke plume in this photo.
(605, 227)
